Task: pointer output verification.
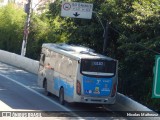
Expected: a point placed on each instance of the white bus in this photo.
(77, 74)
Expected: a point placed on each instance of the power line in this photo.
(148, 48)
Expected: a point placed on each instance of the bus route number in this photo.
(97, 63)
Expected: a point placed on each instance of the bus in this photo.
(77, 74)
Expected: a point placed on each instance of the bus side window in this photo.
(42, 59)
(63, 66)
(74, 69)
(47, 57)
(70, 68)
(53, 59)
(56, 62)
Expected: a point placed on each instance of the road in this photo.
(19, 93)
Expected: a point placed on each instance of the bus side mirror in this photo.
(42, 59)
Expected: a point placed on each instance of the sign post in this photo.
(76, 10)
(26, 29)
(156, 83)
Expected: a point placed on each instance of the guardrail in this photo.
(123, 103)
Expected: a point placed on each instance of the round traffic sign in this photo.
(66, 6)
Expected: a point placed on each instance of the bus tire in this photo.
(61, 96)
(45, 89)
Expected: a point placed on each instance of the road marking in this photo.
(45, 97)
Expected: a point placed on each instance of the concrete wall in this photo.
(19, 61)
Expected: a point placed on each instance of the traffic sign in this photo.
(156, 83)
(76, 10)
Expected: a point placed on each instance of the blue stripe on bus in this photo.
(68, 89)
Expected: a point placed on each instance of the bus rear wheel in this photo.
(61, 96)
(45, 89)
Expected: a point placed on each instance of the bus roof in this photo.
(75, 51)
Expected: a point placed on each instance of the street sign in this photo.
(76, 10)
(156, 83)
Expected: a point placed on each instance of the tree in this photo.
(137, 46)
(11, 28)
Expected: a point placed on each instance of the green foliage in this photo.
(11, 28)
(133, 38)
(135, 51)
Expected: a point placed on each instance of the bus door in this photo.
(41, 70)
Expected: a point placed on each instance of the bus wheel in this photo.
(45, 89)
(61, 96)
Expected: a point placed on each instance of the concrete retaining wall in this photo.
(19, 61)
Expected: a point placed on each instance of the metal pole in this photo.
(105, 38)
(105, 33)
(100, 22)
(26, 30)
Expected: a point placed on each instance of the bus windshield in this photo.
(98, 67)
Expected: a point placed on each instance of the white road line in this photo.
(66, 109)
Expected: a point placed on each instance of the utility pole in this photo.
(26, 28)
(105, 38)
(105, 33)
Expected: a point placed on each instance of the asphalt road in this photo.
(20, 96)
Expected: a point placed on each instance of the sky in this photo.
(34, 2)
(22, 2)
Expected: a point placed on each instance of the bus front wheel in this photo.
(61, 96)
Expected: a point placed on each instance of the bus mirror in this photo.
(42, 59)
